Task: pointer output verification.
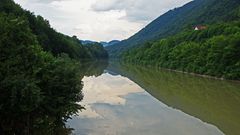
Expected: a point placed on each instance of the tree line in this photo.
(48, 38)
(213, 51)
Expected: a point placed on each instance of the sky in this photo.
(100, 20)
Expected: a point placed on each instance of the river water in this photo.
(123, 99)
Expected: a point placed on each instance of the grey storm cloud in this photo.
(137, 10)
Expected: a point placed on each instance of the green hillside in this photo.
(213, 51)
(49, 39)
(197, 12)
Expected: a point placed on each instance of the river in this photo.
(124, 99)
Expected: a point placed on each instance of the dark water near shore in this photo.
(127, 99)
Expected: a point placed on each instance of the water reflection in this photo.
(114, 88)
(49, 118)
(213, 101)
(118, 105)
(106, 89)
(94, 68)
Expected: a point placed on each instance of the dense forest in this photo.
(40, 73)
(47, 37)
(97, 50)
(213, 51)
(197, 12)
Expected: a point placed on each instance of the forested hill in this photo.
(213, 51)
(194, 13)
(40, 73)
(50, 40)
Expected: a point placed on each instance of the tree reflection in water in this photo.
(56, 108)
(213, 101)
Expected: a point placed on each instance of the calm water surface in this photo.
(132, 100)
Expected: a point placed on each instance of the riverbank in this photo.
(211, 100)
(184, 72)
(200, 75)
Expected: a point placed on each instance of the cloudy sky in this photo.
(100, 20)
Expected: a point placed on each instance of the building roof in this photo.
(200, 27)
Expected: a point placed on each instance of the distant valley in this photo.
(105, 44)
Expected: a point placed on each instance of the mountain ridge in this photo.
(193, 13)
(104, 44)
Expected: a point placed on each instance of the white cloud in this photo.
(100, 20)
(138, 10)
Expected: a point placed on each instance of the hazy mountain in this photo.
(113, 42)
(105, 44)
(84, 42)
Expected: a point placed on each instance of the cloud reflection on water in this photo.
(106, 89)
(115, 105)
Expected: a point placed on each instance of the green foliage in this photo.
(40, 76)
(47, 37)
(17, 39)
(174, 21)
(97, 51)
(214, 51)
(35, 87)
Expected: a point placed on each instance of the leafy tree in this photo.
(35, 87)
